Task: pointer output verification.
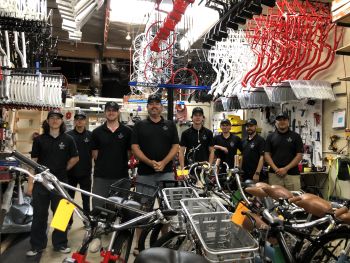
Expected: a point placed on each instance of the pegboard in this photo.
(306, 124)
(306, 119)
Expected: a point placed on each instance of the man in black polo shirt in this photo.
(110, 150)
(196, 142)
(57, 151)
(155, 143)
(81, 172)
(226, 145)
(110, 147)
(283, 152)
(252, 153)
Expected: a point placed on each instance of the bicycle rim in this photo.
(329, 247)
(171, 240)
(149, 236)
(122, 245)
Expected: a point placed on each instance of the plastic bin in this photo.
(221, 240)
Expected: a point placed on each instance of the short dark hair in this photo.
(197, 110)
(225, 122)
(154, 98)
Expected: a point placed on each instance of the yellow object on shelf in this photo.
(307, 169)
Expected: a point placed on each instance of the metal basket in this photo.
(144, 194)
(172, 197)
(221, 240)
(194, 206)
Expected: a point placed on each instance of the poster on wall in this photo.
(338, 119)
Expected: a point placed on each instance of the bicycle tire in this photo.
(122, 245)
(171, 240)
(152, 232)
(326, 247)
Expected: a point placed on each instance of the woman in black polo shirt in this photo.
(57, 151)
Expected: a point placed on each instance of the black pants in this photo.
(42, 199)
(84, 183)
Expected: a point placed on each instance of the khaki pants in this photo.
(291, 182)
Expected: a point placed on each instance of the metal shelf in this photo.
(344, 21)
(343, 50)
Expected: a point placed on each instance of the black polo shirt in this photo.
(155, 140)
(252, 150)
(283, 148)
(232, 143)
(54, 153)
(83, 142)
(112, 158)
(191, 138)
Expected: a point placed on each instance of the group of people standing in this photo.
(155, 143)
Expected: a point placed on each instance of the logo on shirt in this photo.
(232, 144)
(252, 146)
(204, 137)
(289, 139)
(120, 136)
(61, 146)
(165, 128)
(86, 140)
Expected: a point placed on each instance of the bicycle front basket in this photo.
(221, 240)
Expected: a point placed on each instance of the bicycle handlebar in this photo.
(24, 159)
(50, 182)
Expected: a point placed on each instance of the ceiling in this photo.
(92, 44)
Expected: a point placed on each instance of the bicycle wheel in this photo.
(328, 247)
(122, 245)
(171, 240)
(149, 236)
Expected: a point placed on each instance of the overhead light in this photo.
(128, 37)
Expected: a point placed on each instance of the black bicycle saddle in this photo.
(166, 255)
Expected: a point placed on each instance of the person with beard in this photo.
(155, 143)
(226, 145)
(57, 151)
(283, 152)
(252, 153)
(80, 174)
(110, 150)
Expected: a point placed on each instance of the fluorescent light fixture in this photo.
(134, 11)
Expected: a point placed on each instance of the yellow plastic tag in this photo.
(237, 216)
(182, 172)
(62, 215)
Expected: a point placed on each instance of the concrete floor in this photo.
(75, 238)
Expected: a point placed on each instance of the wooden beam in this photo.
(89, 51)
(77, 50)
(116, 53)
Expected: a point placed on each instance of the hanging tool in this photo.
(332, 146)
(317, 118)
(317, 136)
(293, 125)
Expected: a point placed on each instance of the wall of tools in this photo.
(305, 118)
